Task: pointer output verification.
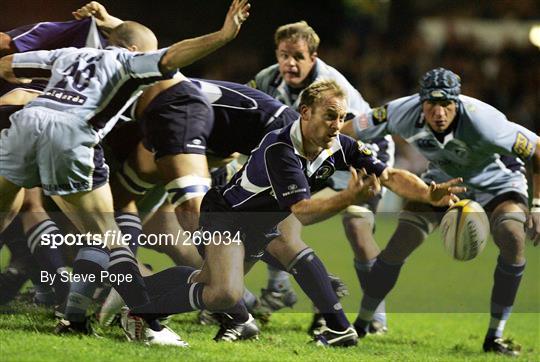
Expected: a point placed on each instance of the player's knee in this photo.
(358, 216)
(132, 181)
(187, 189)
(509, 235)
(418, 221)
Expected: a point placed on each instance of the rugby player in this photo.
(461, 137)
(298, 65)
(34, 221)
(240, 219)
(86, 89)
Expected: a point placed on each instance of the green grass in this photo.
(438, 312)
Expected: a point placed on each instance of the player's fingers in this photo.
(457, 189)
(354, 174)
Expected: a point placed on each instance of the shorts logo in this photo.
(292, 187)
(522, 146)
(380, 114)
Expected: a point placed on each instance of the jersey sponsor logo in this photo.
(380, 114)
(64, 96)
(523, 147)
(426, 143)
(295, 191)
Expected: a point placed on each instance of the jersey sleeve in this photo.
(372, 125)
(287, 179)
(56, 35)
(36, 64)
(360, 156)
(146, 65)
(501, 135)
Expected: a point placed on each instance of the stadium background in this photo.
(382, 47)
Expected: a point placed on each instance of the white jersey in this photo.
(92, 84)
(472, 150)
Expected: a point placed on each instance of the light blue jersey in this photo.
(472, 150)
(91, 84)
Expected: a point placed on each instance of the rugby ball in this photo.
(465, 230)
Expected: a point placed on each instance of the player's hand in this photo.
(364, 186)
(444, 194)
(98, 11)
(237, 14)
(94, 9)
(533, 225)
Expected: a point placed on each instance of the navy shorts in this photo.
(218, 215)
(178, 120)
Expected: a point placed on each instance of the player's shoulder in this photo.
(480, 115)
(266, 78)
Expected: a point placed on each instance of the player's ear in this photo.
(305, 111)
(313, 56)
(133, 48)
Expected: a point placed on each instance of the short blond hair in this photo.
(317, 90)
(298, 31)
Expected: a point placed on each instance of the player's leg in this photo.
(310, 273)
(11, 199)
(507, 227)
(136, 176)
(40, 229)
(186, 180)
(165, 222)
(359, 226)
(416, 221)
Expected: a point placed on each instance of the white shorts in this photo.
(54, 150)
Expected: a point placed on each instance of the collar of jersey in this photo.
(311, 166)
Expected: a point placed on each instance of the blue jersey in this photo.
(472, 150)
(277, 175)
(242, 116)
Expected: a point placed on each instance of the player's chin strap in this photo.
(184, 188)
(132, 182)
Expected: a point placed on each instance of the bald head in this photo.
(133, 36)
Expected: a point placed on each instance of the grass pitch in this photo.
(437, 312)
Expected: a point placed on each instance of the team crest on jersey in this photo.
(380, 114)
(363, 148)
(522, 146)
(324, 172)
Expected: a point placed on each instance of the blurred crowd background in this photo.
(382, 46)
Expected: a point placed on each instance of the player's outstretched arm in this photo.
(104, 20)
(533, 222)
(310, 211)
(187, 51)
(410, 186)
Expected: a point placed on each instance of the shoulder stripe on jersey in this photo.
(30, 30)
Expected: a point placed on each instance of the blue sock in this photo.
(123, 263)
(507, 278)
(48, 258)
(89, 261)
(130, 224)
(311, 275)
(362, 269)
(249, 298)
(381, 280)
